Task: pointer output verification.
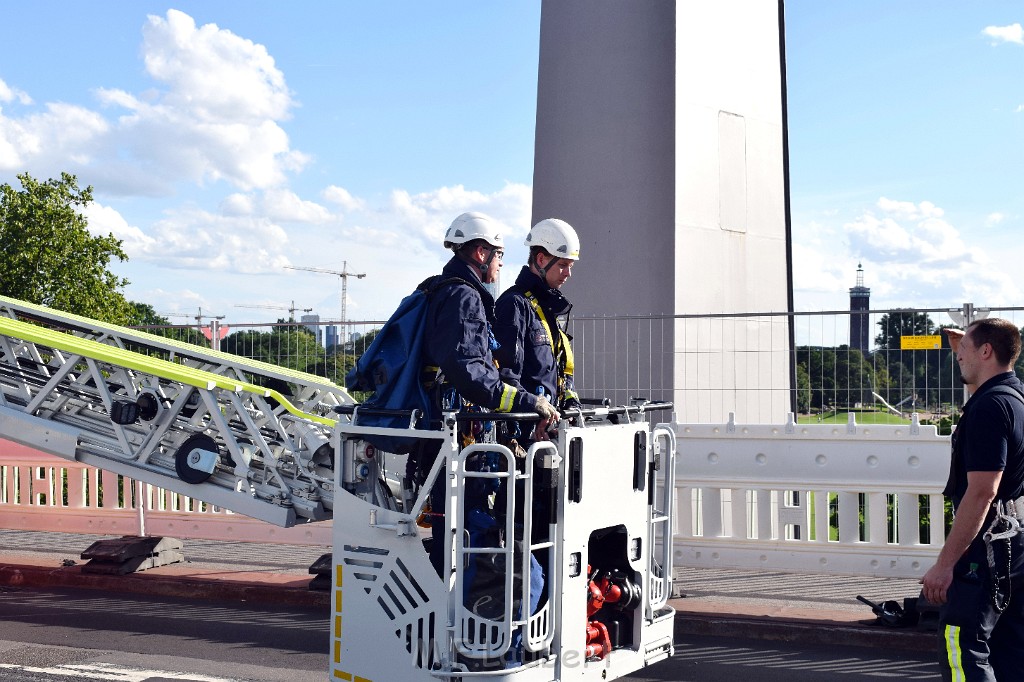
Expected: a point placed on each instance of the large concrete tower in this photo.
(661, 137)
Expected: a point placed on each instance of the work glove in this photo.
(545, 409)
(548, 417)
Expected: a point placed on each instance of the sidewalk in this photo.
(811, 608)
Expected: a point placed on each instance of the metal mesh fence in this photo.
(759, 366)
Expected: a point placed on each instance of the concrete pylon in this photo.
(661, 138)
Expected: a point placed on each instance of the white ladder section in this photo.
(181, 417)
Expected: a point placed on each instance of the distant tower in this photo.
(860, 297)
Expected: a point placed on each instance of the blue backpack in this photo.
(393, 370)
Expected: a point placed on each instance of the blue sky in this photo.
(228, 140)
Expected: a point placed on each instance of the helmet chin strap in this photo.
(542, 271)
(486, 265)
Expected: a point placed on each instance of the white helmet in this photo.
(470, 226)
(556, 237)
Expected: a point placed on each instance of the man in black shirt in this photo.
(979, 581)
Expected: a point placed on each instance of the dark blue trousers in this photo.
(976, 642)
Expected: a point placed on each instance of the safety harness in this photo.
(1005, 526)
(561, 349)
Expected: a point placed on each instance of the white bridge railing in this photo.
(829, 498)
(849, 499)
(40, 492)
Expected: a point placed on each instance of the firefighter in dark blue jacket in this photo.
(460, 317)
(535, 356)
(534, 352)
(459, 342)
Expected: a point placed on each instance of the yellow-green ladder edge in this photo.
(164, 369)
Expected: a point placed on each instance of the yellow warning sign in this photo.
(920, 342)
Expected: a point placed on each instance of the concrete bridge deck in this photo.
(801, 607)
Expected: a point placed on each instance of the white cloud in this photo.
(212, 73)
(994, 219)
(213, 115)
(908, 209)
(194, 238)
(9, 94)
(105, 220)
(1014, 33)
(60, 133)
(912, 257)
(285, 206)
(430, 213)
(240, 253)
(343, 198)
(238, 204)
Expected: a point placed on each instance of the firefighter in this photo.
(459, 343)
(535, 356)
(534, 351)
(459, 338)
(978, 577)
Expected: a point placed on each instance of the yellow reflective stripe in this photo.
(508, 397)
(953, 654)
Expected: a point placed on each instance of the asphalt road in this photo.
(86, 634)
(74, 635)
(728, 659)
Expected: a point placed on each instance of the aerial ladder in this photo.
(290, 448)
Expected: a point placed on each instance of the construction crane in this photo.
(291, 309)
(344, 274)
(215, 328)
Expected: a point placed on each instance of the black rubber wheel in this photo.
(181, 465)
(148, 406)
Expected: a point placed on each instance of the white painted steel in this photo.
(395, 619)
(736, 486)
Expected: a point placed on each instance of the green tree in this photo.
(359, 346)
(855, 377)
(803, 389)
(820, 364)
(145, 315)
(333, 367)
(902, 323)
(291, 346)
(48, 256)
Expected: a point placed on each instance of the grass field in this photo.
(862, 417)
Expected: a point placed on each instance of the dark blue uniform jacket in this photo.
(525, 355)
(458, 336)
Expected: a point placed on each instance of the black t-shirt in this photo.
(990, 437)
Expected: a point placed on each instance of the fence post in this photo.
(140, 504)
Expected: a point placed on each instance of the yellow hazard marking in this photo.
(931, 342)
(338, 573)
